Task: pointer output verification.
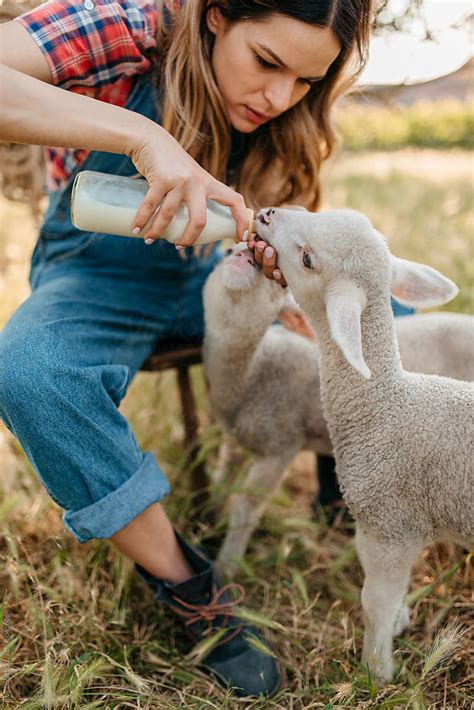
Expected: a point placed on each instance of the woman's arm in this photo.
(36, 112)
(41, 114)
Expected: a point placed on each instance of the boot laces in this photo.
(208, 612)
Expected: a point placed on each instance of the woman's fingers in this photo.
(269, 261)
(226, 196)
(165, 214)
(147, 208)
(266, 257)
(158, 209)
(197, 208)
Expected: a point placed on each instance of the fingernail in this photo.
(245, 236)
(260, 247)
(149, 241)
(268, 252)
(136, 230)
(180, 246)
(276, 274)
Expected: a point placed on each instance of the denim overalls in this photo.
(98, 308)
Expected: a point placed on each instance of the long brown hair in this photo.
(284, 160)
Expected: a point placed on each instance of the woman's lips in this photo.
(254, 117)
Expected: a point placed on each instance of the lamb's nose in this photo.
(264, 215)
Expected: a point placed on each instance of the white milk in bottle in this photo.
(107, 204)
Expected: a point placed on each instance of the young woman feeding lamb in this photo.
(195, 96)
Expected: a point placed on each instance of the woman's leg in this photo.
(69, 353)
(165, 561)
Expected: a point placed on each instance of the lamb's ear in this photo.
(419, 285)
(344, 305)
(288, 300)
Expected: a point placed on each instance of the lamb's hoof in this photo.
(381, 672)
(403, 620)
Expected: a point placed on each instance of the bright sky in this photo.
(397, 57)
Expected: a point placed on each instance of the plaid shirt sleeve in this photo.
(91, 44)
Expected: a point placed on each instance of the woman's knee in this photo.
(25, 370)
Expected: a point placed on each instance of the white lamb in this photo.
(402, 441)
(258, 373)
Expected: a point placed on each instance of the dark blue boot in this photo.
(204, 606)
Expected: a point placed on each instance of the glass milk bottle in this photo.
(108, 204)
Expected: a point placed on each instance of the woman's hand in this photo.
(266, 256)
(175, 178)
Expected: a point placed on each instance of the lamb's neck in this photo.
(229, 353)
(344, 390)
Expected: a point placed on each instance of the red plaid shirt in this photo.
(97, 48)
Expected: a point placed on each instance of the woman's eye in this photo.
(268, 65)
(307, 262)
(264, 63)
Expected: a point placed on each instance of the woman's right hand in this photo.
(175, 178)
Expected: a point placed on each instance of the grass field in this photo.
(444, 123)
(79, 629)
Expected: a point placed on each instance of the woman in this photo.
(223, 93)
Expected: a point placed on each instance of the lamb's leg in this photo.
(224, 457)
(387, 570)
(246, 508)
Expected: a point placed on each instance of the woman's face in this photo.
(264, 68)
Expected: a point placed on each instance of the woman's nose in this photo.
(279, 94)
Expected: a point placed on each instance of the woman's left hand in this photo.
(266, 256)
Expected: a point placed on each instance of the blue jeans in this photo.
(99, 307)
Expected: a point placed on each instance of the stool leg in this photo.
(199, 481)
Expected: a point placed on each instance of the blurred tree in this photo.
(404, 15)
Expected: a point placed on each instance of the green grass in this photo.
(423, 219)
(78, 628)
(426, 124)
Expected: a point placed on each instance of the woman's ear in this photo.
(214, 20)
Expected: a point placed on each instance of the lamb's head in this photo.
(335, 263)
(237, 291)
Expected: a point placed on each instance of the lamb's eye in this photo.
(229, 252)
(307, 261)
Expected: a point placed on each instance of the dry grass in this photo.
(79, 629)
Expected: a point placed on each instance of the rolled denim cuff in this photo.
(106, 516)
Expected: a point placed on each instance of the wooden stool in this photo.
(180, 355)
